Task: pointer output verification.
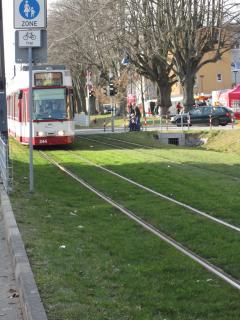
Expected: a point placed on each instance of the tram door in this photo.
(23, 126)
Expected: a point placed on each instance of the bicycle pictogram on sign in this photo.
(29, 36)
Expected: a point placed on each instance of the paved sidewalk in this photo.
(23, 289)
(10, 308)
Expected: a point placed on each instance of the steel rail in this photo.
(199, 212)
(180, 163)
(208, 266)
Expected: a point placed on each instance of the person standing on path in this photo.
(179, 107)
(138, 118)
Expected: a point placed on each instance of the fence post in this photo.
(145, 123)
(182, 121)
(210, 121)
(188, 121)
(232, 120)
(166, 122)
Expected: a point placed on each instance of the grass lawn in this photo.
(91, 262)
(195, 232)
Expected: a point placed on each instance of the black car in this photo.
(205, 115)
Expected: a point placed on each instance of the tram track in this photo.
(177, 163)
(149, 227)
(158, 194)
(165, 197)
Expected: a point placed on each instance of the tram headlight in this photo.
(40, 134)
(61, 133)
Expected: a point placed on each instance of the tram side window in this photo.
(12, 106)
(24, 108)
(16, 106)
(8, 106)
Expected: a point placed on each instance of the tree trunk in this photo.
(164, 97)
(79, 94)
(188, 98)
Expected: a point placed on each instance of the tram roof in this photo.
(21, 80)
(46, 67)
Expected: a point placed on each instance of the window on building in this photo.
(219, 77)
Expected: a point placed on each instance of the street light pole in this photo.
(3, 104)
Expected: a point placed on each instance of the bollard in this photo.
(188, 122)
(210, 121)
(104, 125)
(167, 123)
(182, 121)
(145, 123)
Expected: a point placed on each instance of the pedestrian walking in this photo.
(132, 119)
(178, 107)
(138, 118)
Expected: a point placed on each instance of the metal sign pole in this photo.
(88, 106)
(31, 16)
(3, 104)
(30, 99)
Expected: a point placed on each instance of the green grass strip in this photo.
(110, 268)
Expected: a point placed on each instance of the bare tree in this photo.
(148, 53)
(166, 40)
(194, 28)
(82, 36)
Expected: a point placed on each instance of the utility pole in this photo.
(88, 104)
(3, 104)
(111, 94)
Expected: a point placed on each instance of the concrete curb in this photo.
(30, 300)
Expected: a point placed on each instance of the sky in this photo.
(9, 37)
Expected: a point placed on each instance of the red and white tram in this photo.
(52, 106)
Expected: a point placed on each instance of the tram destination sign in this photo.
(30, 14)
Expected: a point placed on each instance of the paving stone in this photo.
(10, 308)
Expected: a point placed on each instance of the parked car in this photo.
(107, 108)
(202, 115)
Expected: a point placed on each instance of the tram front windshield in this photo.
(50, 104)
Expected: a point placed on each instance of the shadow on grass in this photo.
(110, 268)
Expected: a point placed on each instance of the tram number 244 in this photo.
(43, 141)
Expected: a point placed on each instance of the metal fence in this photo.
(5, 168)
